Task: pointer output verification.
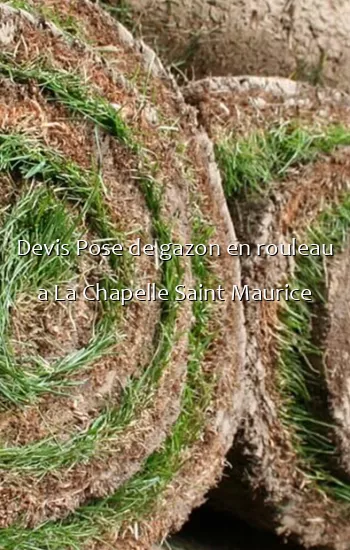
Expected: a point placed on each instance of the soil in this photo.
(337, 352)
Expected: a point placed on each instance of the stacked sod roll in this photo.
(296, 39)
(283, 150)
(114, 421)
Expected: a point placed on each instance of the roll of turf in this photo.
(300, 39)
(115, 414)
(283, 150)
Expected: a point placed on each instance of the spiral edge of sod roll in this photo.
(283, 151)
(116, 441)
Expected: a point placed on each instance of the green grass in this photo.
(29, 159)
(67, 23)
(39, 217)
(19, 4)
(251, 164)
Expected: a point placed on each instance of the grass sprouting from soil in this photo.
(27, 157)
(250, 164)
(38, 217)
(66, 23)
(70, 90)
(19, 4)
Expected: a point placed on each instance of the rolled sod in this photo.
(114, 418)
(302, 40)
(283, 151)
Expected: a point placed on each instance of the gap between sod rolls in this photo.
(251, 167)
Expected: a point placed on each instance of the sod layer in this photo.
(283, 150)
(114, 421)
(233, 37)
